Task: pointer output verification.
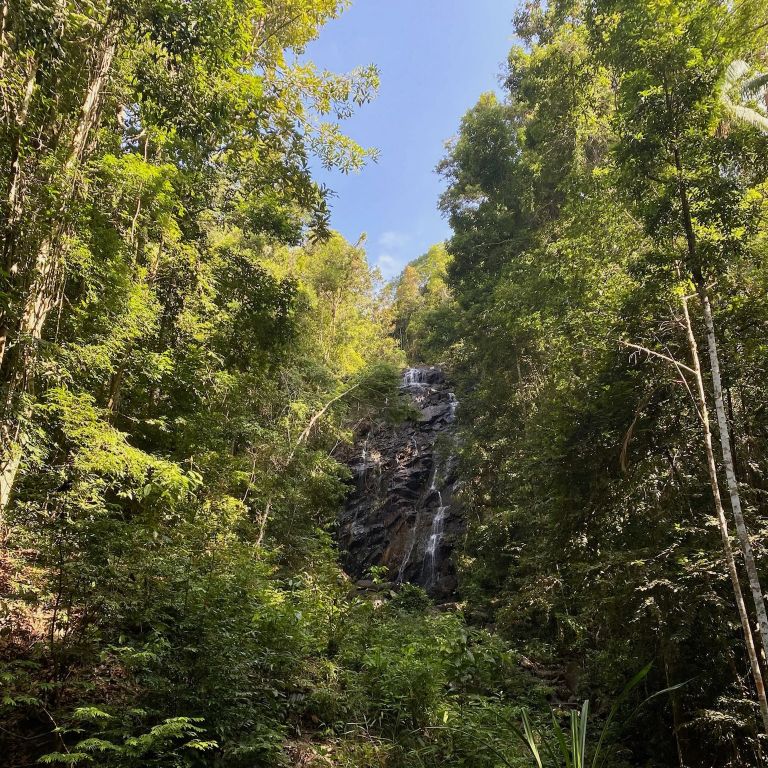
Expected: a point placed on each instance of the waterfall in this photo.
(362, 467)
(414, 377)
(415, 529)
(406, 516)
(410, 377)
(453, 404)
(407, 558)
(436, 532)
(435, 537)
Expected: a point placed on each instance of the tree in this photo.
(208, 94)
(579, 463)
(669, 89)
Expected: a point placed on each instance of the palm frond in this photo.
(736, 70)
(749, 116)
(755, 87)
(735, 90)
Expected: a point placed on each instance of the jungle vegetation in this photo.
(185, 345)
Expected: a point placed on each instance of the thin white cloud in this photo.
(393, 240)
(389, 265)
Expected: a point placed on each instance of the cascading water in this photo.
(435, 536)
(407, 559)
(413, 377)
(404, 514)
(362, 467)
(453, 404)
(436, 532)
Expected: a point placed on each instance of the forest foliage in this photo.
(608, 218)
(186, 347)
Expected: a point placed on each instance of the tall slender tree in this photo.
(670, 85)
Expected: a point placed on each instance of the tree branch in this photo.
(657, 354)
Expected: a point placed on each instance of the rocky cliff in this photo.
(401, 511)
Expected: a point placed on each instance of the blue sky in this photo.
(435, 58)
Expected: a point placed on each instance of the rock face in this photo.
(401, 511)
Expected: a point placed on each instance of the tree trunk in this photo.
(17, 116)
(13, 202)
(677, 719)
(9, 466)
(754, 662)
(3, 34)
(730, 471)
(45, 283)
(696, 270)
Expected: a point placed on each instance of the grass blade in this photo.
(628, 688)
(560, 736)
(583, 735)
(530, 739)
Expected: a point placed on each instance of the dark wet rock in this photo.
(435, 412)
(401, 511)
